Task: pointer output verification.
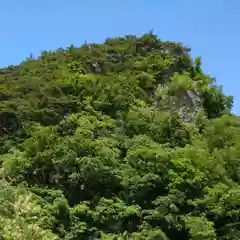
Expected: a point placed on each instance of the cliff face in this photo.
(128, 139)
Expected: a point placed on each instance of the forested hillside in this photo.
(128, 139)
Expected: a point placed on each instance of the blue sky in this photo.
(209, 27)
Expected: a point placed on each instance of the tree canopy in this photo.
(127, 139)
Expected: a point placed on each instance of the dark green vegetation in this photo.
(123, 140)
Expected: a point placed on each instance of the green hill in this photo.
(128, 139)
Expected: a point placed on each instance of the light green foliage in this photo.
(21, 216)
(128, 139)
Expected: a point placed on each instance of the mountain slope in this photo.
(128, 139)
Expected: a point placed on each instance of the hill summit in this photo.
(128, 139)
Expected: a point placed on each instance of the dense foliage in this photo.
(128, 139)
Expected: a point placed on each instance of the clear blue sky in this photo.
(210, 27)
